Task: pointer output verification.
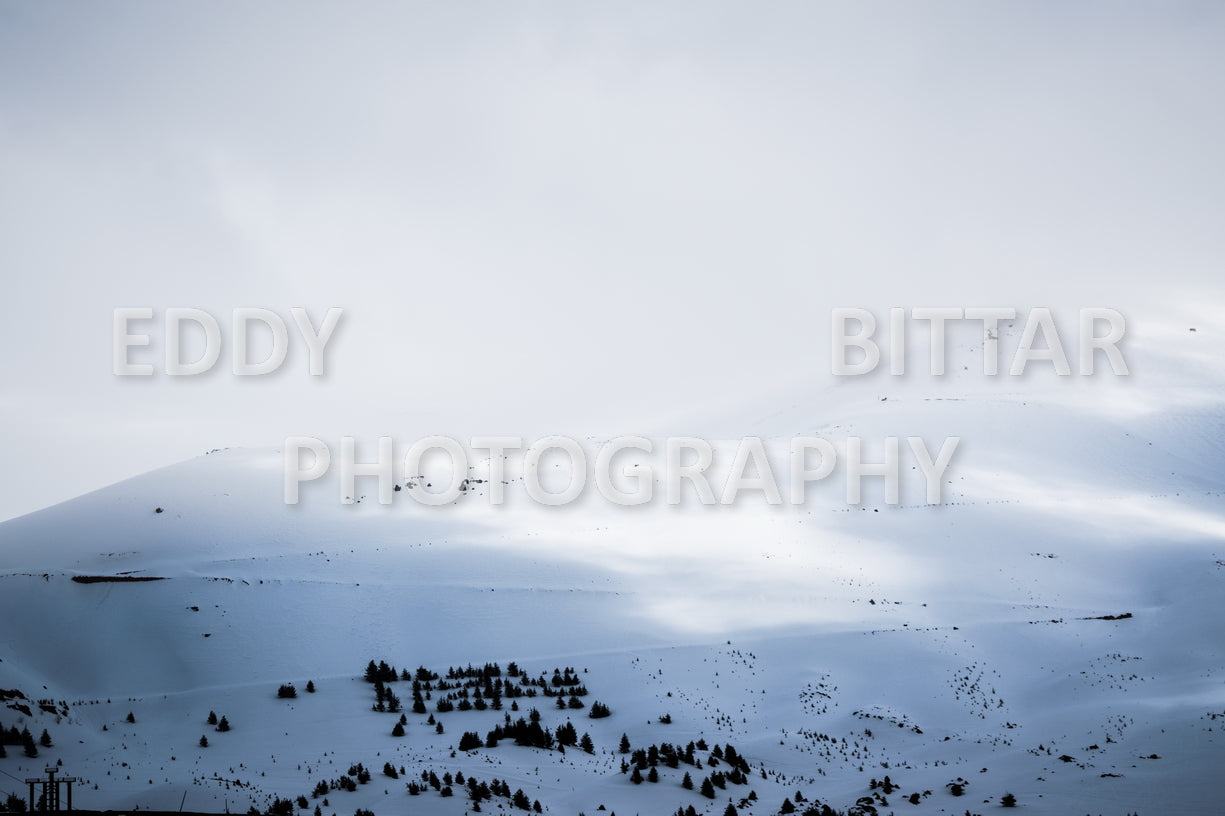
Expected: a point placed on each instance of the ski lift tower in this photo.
(50, 801)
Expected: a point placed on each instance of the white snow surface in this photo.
(965, 637)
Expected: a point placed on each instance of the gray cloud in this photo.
(548, 217)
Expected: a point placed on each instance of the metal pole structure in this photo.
(50, 800)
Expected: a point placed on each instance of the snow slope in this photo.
(831, 644)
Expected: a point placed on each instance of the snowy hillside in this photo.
(1054, 630)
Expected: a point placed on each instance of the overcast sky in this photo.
(564, 217)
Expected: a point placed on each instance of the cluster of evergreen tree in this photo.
(488, 686)
(720, 780)
(527, 732)
(222, 724)
(479, 688)
(23, 738)
(380, 672)
(563, 683)
(475, 697)
(672, 756)
(482, 792)
(12, 803)
(574, 703)
(430, 779)
(357, 774)
(567, 677)
(385, 699)
(863, 807)
(287, 691)
(470, 672)
(388, 674)
(567, 734)
(279, 807)
(650, 758)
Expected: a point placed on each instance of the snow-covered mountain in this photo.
(1053, 630)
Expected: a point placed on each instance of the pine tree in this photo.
(653, 774)
(398, 731)
(223, 725)
(708, 789)
(586, 744)
(45, 739)
(212, 718)
(730, 810)
(310, 686)
(625, 744)
(131, 717)
(636, 776)
(203, 741)
(687, 782)
(1008, 800)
